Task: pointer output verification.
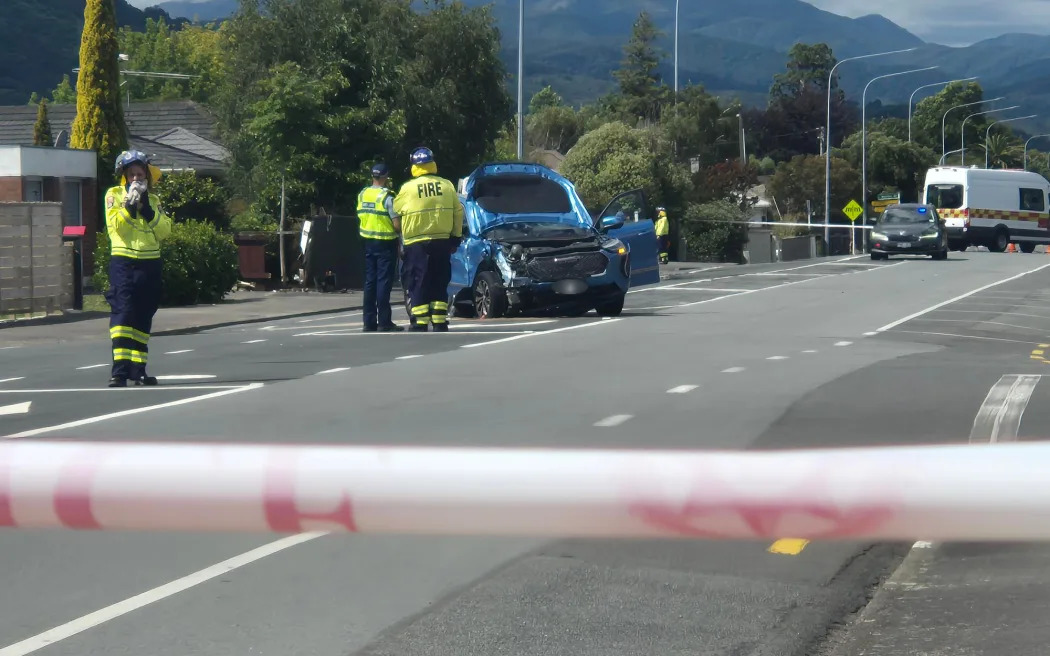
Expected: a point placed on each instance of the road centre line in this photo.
(891, 326)
(132, 411)
(122, 390)
(999, 418)
(777, 357)
(81, 624)
(591, 324)
(843, 343)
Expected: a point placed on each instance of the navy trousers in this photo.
(134, 295)
(429, 268)
(380, 267)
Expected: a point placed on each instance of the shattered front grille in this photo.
(580, 265)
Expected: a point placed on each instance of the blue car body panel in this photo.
(492, 207)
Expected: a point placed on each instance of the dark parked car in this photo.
(909, 229)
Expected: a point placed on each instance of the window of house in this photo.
(1032, 200)
(71, 210)
(32, 190)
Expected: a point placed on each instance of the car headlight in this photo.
(879, 236)
(616, 246)
(929, 234)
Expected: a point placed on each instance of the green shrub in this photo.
(200, 264)
(712, 232)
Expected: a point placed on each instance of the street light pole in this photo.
(521, 79)
(1038, 136)
(927, 86)
(988, 133)
(864, 143)
(827, 135)
(962, 131)
(944, 119)
(676, 4)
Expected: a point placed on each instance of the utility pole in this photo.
(521, 79)
(280, 233)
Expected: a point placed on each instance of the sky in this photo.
(948, 22)
(952, 22)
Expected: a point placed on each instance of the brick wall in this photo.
(11, 189)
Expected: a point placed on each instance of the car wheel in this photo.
(490, 299)
(1027, 247)
(942, 255)
(879, 256)
(611, 308)
(1002, 240)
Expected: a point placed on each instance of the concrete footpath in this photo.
(958, 599)
(236, 308)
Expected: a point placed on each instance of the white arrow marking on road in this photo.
(999, 419)
(16, 409)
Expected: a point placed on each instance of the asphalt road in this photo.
(834, 353)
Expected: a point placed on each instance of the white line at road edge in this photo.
(908, 318)
(133, 411)
(604, 322)
(108, 613)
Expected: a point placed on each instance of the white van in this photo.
(990, 207)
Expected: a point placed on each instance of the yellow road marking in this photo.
(789, 546)
(1038, 352)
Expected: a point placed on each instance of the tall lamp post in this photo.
(864, 143)
(944, 119)
(911, 100)
(676, 4)
(1038, 136)
(988, 133)
(521, 79)
(827, 134)
(962, 130)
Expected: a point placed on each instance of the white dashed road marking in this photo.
(733, 370)
(16, 409)
(92, 366)
(777, 357)
(408, 357)
(614, 420)
(179, 352)
(333, 371)
(186, 377)
(682, 389)
(253, 341)
(11, 380)
(843, 343)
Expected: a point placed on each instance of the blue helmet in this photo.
(422, 156)
(129, 157)
(380, 170)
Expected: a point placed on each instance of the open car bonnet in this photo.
(514, 193)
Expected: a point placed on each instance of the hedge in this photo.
(199, 264)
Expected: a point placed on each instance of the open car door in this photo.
(627, 218)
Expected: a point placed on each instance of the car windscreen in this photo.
(912, 216)
(521, 194)
(538, 230)
(945, 196)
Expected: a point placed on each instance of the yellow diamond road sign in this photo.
(853, 210)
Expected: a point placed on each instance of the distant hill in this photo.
(40, 42)
(203, 12)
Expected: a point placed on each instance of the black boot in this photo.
(118, 381)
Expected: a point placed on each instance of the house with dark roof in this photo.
(178, 136)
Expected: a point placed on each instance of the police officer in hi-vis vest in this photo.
(378, 228)
(431, 228)
(136, 226)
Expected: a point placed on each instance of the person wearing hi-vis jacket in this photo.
(136, 226)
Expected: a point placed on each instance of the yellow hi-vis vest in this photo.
(372, 215)
(662, 226)
(429, 209)
(130, 234)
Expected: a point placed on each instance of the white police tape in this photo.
(967, 492)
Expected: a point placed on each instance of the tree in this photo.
(699, 127)
(641, 89)
(42, 129)
(808, 68)
(802, 179)
(615, 158)
(726, 181)
(64, 93)
(99, 123)
(928, 116)
(189, 196)
(544, 99)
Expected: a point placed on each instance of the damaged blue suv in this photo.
(529, 243)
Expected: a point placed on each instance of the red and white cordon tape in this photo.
(993, 492)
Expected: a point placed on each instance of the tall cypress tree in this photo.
(99, 124)
(42, 129)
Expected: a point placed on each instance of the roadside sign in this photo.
(881, 205)
(892, 196)
(853, 210)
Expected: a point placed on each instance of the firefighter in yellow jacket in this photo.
(431, 230)
(663, 233)
(136, 225)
